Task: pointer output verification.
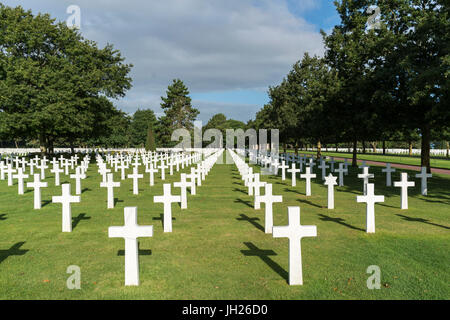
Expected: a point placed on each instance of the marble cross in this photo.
(295, 232)
(365, 176)
(330, 181)
(167, 199)
(388, 170)
(404, 184)
(152, 171)
(130, 232)
(293, 172)
(56, 170)
(10, 171)
(268, 199)
(341, 172)
(20, 176)
(78, 176)
(66, 199)
(192, 183)
(110, 185)
(423, 175)
(37, 185)
(183, 184)
(257, 184)
(162, 167)
(122, 168)
(370, 199)
(324, 167)
(308, 175)
(135, 176)
(283, 168)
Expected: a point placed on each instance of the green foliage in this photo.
(177, 106)
(373, 83)
(54, 83)
(150, 144)
(141, 121)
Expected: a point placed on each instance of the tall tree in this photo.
(177, 106)
(417, 47)
(141, 121)
(54, 83)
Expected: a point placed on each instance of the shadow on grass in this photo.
(421, 220)
(254, 251)
(293, 191)
(45, 203)
(85, 189)
(76, 220)
(310, 203)
(3, 217)
(246, 202)
(244, 217)
(161, 217)
(240, 190)
(116, 200)
(142, 252)
(13, 251)
(339, 221)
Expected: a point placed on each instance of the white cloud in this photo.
(211, 45)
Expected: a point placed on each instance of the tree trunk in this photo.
(410, 148)
(296, 148)
(425, 147)
(384, 147)
(319, 149)
(364, 147)
(355, 151)
(448, 149)
(50, 145)
(374, 147)
(43, 143)
(284, 148)
(337, 148)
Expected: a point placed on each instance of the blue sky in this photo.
(228, 52)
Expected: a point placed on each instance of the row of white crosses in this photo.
(294, 231)
(365, 175)
(131, 230)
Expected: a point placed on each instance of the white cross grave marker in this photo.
(37, 185)
(283, 168)
(167, 199)
(324, 167)
(20, 176)
(388, 171)
(135, 176)
(341, 172)
(268, 199)
(78, 176)
(308, 175)
(370, 199)
(66, 199)
(365, 176)
(293, 172)
(423, 175)
(404, 184)
(295, 232)
(56, 170)
(183, 184)
(130, 232)
(110, 184)
(330, 181)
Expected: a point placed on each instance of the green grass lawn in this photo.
(218, 249)
(413, 160)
